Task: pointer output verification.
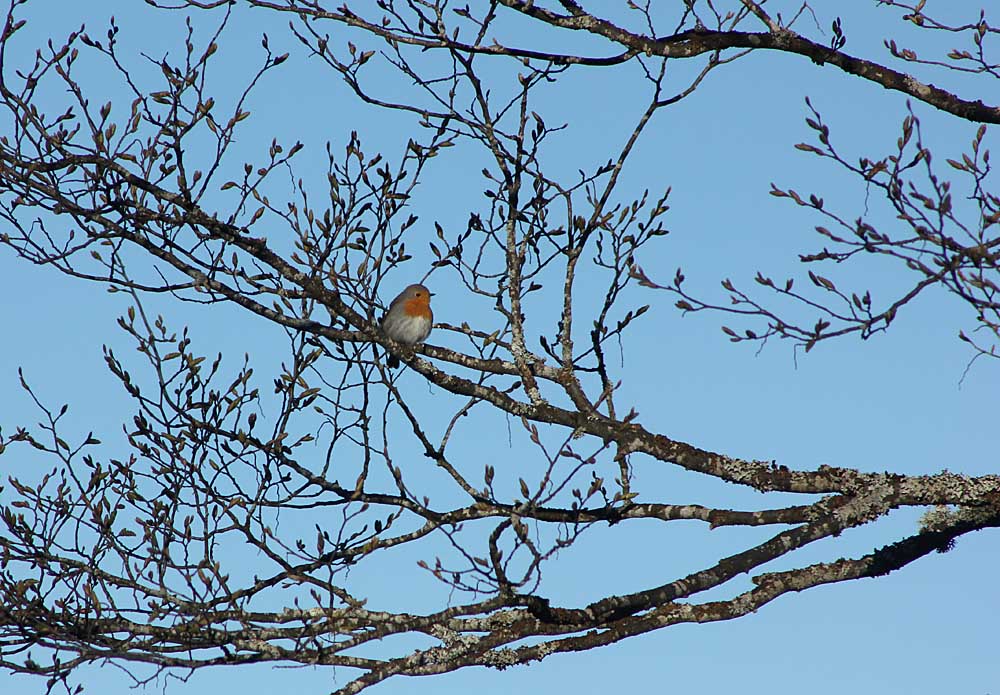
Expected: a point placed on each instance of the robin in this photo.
(409, 319)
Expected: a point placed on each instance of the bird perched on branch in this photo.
(409, 319)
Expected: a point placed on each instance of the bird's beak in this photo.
(430, 294)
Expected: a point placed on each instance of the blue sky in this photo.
(897, 402)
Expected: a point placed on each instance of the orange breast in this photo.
(418, 307)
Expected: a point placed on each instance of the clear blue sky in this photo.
(897, 402)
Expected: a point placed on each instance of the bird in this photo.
(409, 319)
